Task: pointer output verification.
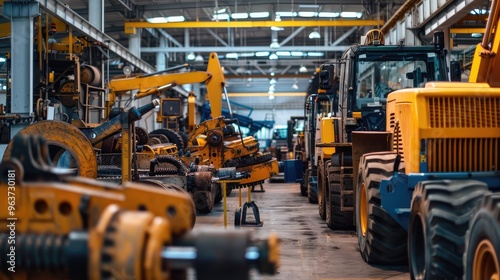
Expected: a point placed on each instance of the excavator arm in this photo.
(485, 64)
(149, 84)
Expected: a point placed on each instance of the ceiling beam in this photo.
(246, 49)
(130, 26)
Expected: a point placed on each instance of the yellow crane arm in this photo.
(485, 64)
(150, 84)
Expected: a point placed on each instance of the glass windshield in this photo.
(379, 74)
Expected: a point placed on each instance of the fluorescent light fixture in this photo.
(328, 14)
(315, 54)
(297, 53)
(283, 53)
(302, 69)
(261, 54)
(307, 14)
(246, 54)
(199, 58)
(476, 35)
(274, 45)
(232, 55)
(259, 14)
(314, 35)
(176, 19)
(350, 15)
(239, 15)
(220, 11)
(276, 28)
(273, 56)
(286, 14)
(2, 59)
(190, 56)
(157, 20)
(221, 17)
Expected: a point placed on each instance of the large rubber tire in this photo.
(335, 218)
(482, 245)
(311, 195)
(381, 239)
(321, 189)
(305, 182)
(440, 213)
(172, 136)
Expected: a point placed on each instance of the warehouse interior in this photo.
(249, 139)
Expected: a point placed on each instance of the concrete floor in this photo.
(309, 249)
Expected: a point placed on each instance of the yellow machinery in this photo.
(56, 226)
(432, 195)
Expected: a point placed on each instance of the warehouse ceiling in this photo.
(254, 39)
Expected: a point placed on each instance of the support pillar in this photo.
(21, 14)
(96, 14)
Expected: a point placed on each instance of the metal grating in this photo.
(397, 139)
(464, 112)
(463, 154)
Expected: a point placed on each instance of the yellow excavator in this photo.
(57, 226)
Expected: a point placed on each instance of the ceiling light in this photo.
(198, 58)
(272, 81)
(2, 59)
(273, 56)
(286, 14)
(271, 96)
(176, 19)
(221, 17)
(295, 86)
(283, 53)
(328, 14)
(259, 14)
(314, 34)
(297, 53)
(190, 56)
(350, 15)
(302, 69)
(232, 55)
(278, 18)
(274, 45)
(261, 54)
(315, 54)
(476, 35)
(276, 28)
(157, 20)
(307, 14)
(272, 88)
(271, 91)
(246, 54)
(239, 15)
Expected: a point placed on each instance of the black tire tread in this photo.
(385, 243)
(448, 205)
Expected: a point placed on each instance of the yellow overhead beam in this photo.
(466, 30)
(130, 26)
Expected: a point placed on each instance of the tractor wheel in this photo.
(305, 182)
(482, 242)
(335, 217)
(381, 239)
(321, 189)
(440, 214)
(172, 136)
(311, 195)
